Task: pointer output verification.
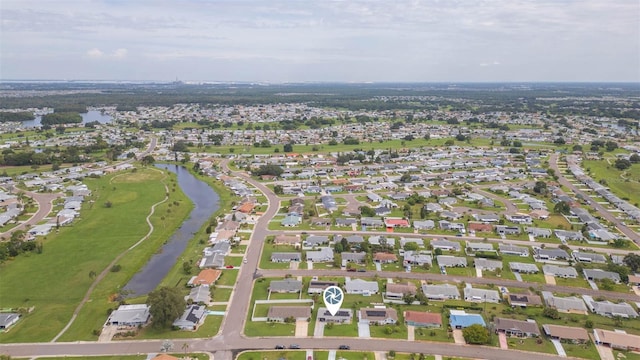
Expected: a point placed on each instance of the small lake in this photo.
(92, 115)
(206, 202)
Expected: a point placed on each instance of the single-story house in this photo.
(281, 257)
(380, 316)
(384, 258)
(422, 319)
(513, 250)
(200, 294)
(451, 261)
(8, 319)
(524, 300)
(291, 240)
(599, 274)
(342, 316)
(550, 254)
(616, 339)
(444, 244)
(486, 264)
(589, 257)
(517, 328)
(130, 315)
(285, 286)
(280, 313)
(566, 272)
(398, 291)
(361, 287)
(459, 319)
(523, 268)
(322, 254)
(569, 334)
(571, 304)
(318, 286)
(192, 317)
(481, 295)
(416, 258)
(205, 277)
(441, 292)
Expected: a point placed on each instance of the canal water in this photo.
(206, 202)
(90, 116)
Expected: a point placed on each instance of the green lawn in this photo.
(55, 281)
(264, 328)
(342, 330)
(545, 346)
(601, 170)
(228, 277)
(265, 257)
(221, 294)
(272, 355)
(586, 351)
(208, 329)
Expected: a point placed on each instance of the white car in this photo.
(244, 261)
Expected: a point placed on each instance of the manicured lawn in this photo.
(461, 271)
(587, 351)
(349, 355)
(228, 277)
(55, 281)
(208, 329)
(272, 355)
(259, 328)
(545, 346)
(539, 278)
(625, 355)
(578, 282)
(221, 294)
(398, 331)
(601, 170)
(265, 257)
(434, 334)
(344, 330)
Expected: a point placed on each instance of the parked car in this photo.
(280, 347)
(362, 270)
(294, 346)
(229, 266)
(344, 347)
(244, 260)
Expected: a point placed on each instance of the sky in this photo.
(321, 40)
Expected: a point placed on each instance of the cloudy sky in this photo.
(321, 40)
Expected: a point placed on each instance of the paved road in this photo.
(630, 296)
(511, 208)
(553, 163)
(458, 238)
(45, 204)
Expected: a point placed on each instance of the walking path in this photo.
(106, 270)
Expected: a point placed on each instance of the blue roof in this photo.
(466, 320)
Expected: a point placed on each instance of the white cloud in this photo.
(95, 53)
(120, 53)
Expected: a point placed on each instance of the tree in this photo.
(562, 208)
(611, 145)
(551, 313)
(448, 143)
(148, 160)
(517, 143)
(288, 147)
(166, 304)
(278, 190)
(475, 334)
(180, 146)
(405, 178)
(274, 170)
(540, 187)
(622, 164)
(411, 246)
(367, 211)
(634, 158)
(632, 261)
(559, 141)
(187, 267)
(408, 298)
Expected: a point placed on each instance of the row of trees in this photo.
(61, 118)
(6, 116)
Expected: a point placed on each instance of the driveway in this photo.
(411, 332)
(605, 353)
(550, 279)
(502, 339)
(559, 349)
(294, 265)
(458, 338)
(302, 328)
(517, 276)
(478, 272)
(363, 330)
(593, 284)
(318, 330)
(107, 333)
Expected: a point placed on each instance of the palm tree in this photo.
(185, 347)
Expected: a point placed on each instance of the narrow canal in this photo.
(206, 202)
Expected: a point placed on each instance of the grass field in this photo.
(54, 282)
(601, 170)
